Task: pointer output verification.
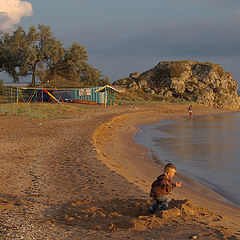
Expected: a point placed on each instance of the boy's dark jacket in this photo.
(162, 186)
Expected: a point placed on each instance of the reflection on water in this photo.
(206, 148)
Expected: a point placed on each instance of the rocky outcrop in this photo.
(200, 82)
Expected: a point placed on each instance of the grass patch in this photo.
(137, 102)
(42, 110)
(152, 102)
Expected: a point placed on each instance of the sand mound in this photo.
(111, 215)
(177, 209)
(123, 214)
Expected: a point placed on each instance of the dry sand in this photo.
(85, 178)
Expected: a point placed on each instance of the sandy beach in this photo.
(85, 178)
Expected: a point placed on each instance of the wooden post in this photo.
(105, 97)
(17, 95)
(11, 97)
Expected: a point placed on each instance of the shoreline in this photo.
(136, 165)
(200, 186)
(196, 185)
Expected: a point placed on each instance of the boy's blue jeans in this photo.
(161, 201)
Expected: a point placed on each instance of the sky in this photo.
(127, 36)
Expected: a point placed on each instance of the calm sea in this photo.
(206, 148)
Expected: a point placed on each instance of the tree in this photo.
(11, 53)
(24, 54)
(93, 77)
(38, 52)
(42, 51)
(73, 66)
(1, 84)
(70, 63)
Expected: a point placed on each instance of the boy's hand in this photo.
(178, 184)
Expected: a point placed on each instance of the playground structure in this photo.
(95, 95)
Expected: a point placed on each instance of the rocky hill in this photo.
(200, 82)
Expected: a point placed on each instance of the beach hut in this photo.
(109, 91)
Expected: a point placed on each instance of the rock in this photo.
(193, 237)
(133, 85)
(123, 81)
(201, 82)
(143, 83)
(168, 94)
(134, 75)
(178, 87)
(151, 91)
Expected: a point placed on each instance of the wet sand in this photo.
(85, 178)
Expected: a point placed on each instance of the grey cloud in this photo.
(210, 3)
(177, 39)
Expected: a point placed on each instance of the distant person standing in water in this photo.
(190, 111)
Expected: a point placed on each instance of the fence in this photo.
(81, 95)
(5, 95)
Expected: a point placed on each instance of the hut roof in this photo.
(102, 89)
(11, 84)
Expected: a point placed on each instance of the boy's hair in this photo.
(169, 167)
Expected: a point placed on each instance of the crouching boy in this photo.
(162, 187)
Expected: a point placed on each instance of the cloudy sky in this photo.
(134, 35)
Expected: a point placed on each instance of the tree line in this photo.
(37, 53)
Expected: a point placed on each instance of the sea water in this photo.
(206, 148)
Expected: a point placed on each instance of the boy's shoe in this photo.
(151, 210)
(163, 208)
